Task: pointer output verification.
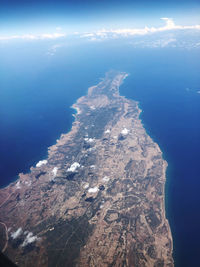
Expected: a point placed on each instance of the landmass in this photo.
(98, 198)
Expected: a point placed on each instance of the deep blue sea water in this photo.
(37, 90)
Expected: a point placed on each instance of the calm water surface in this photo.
(37, 90)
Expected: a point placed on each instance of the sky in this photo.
(37, 17)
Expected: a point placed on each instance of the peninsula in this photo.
(98, 198)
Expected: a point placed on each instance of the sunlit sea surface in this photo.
(38, 89)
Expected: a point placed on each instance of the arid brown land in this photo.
(98, 198)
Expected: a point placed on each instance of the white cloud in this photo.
(92, 107)
(33, 36)
(53, 49)
(30, 238)
(92, 166)
(73, 167)
(18, 185)
(87, 35)
(28, 183)
(41, 162)
(51, 36)
(188, 41)
(89, 140)
(86, 186)
(126, 32)
(162, 42)
(17, 233)
(169, 22)
(106, 179)
(54, 171)
(104, 33)
(125, 131)
(93, 189)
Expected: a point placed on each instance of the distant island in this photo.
(98, 198)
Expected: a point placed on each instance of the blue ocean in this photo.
(37, 90)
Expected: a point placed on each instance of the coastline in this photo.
(117, 133)
(165, 206)
(167, 179)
